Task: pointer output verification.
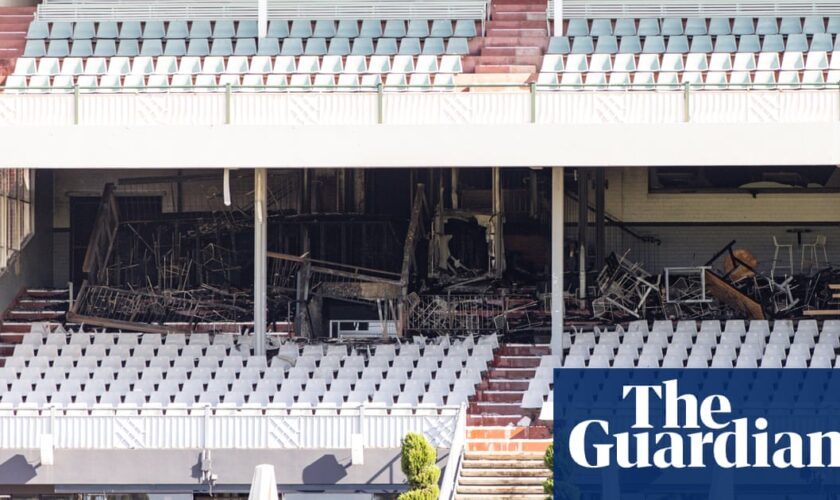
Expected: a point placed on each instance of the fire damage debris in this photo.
(443, 270)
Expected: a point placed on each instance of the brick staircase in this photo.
(14, 21)
(504, 459)
(498, 397)
(502, 463)
(515, 40)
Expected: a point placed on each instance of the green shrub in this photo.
(417, 461)
(426, 477)
(417, 454)
(430, 493)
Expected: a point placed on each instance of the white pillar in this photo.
(262, 18)
(260, 258)
(557, 261)
(558, 17)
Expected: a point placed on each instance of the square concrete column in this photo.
(557, 285)
(260, 258)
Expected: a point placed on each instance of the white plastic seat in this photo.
(720, 62)
(672, 62)
(552, 63)
(696, 62)
(649, 62)
(768, 61)
(576, 63)
(793, 61)
(600, 63)
(624, 62)
(308, 64)
(744, 61)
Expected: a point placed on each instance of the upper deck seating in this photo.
(713, 53)
(134, 55)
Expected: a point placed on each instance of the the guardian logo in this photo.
(682, 430)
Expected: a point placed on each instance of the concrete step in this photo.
(517, 361)
(34, 315)
(501, 480)
(493, 419)
(516, 41)
(499, 490)
(495, 408)
(524, 350)
(485, 60)
(503, 471)
(519, 7)
(511, 373)
(511, 51)
(503, 455)
(506, 385)
(16, 11)
(517, 24)
(520, 466)
(517, 16)
(509, 432)
(499, 396)
(513, 445)
(517, 32)
(504, 68)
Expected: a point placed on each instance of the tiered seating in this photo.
(759, 344)
(83, 370)
(131, 55)
(704, 52)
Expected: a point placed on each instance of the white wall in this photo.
(628, 199)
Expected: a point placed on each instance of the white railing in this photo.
(164, 10)
(507, 107)
(217, 429)
(694, 8)
(449, 480)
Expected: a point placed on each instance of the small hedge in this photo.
(417, 461)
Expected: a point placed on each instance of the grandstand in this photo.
(235, 235)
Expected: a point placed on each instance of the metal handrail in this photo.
(693, 8)
(455, 458)
(99, 10)
(442, 87)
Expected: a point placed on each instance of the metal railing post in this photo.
(227, 104)
(76, 104)
(380, 97)
(533, 89)
(687, 103)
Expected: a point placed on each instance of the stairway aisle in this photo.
(515, 41)
(504, 450)
(14, 22)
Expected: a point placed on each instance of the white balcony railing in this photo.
(507, 107)
(165, 10)
(203, 427)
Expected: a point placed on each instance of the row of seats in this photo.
(788, 25)
(682, 44)
(312, 392)
(758, 344)
(277, 28)
(257, 65)
(225, 47)
(712, 80)
(84, 370)
(764, 61)
(247, 83)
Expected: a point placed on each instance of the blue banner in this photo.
(722, 434)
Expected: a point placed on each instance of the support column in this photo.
(498, 223)
(557, 251)
(260, 258)
(600, 231)
(558, 17)
(583, 225)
